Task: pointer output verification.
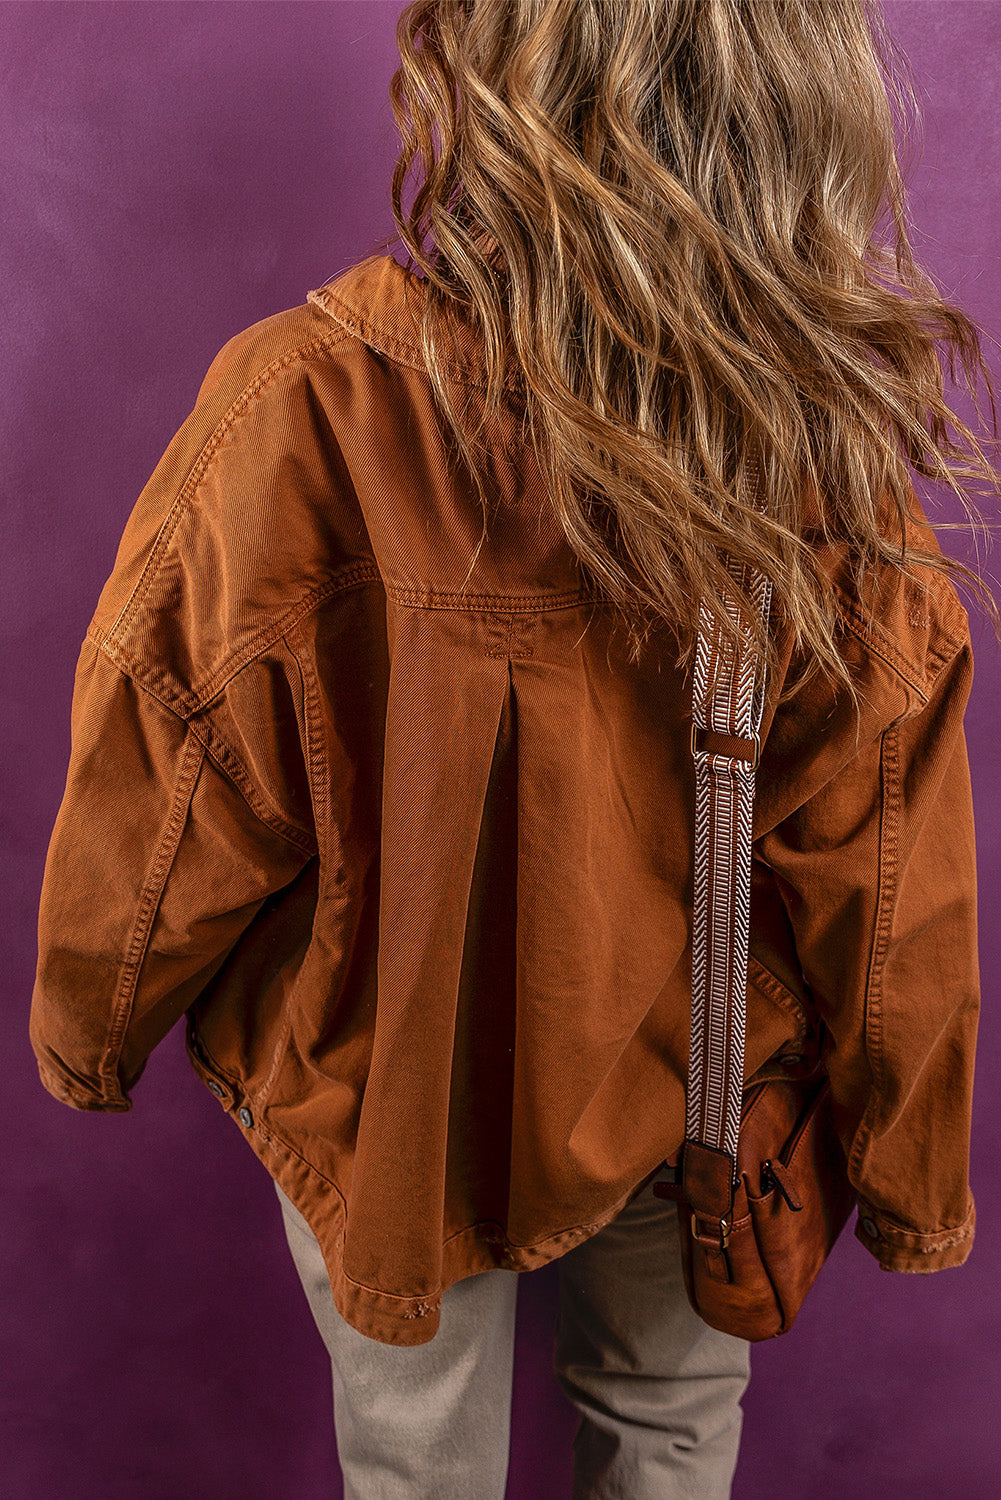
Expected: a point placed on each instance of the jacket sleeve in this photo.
(156, 864)
(188, 798)
(878, 874)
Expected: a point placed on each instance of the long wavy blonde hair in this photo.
(665, 213)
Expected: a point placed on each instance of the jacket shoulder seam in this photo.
(237, 409)
(875, 638)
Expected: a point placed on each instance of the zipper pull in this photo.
(775, 1172)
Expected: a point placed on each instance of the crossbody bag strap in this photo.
(727, 703)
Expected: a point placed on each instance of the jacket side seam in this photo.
(889, 822)
(237, 408)
(316, 766)
(229, 763)
(187, 777)
(316, 758)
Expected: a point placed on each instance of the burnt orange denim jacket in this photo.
(413, 860)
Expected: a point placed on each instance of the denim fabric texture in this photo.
(412, 856)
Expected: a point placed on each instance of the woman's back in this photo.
(382, 774)
(416, 840)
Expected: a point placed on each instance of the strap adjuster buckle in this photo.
(754, 740)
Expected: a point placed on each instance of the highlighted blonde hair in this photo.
(666, 214)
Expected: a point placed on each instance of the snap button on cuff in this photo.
(792, 1059)
(246, 1118)
(871, 1228)
(215, 1087)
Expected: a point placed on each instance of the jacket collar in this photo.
(381, 302)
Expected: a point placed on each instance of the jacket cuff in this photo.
(78, 1098)
(900, 1249)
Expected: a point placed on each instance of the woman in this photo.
(407, 832)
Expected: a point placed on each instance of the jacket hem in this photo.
(398, 1319)
(402, 1320)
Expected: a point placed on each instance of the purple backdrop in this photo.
(173, 173)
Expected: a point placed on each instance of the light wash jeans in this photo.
(657, 1389)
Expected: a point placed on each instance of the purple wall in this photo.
(174, 172)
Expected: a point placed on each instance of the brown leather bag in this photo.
(761, 1178)
(750, 1259)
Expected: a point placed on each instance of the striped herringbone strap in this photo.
(727, 702)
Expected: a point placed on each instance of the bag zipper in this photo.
(775, 1172)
